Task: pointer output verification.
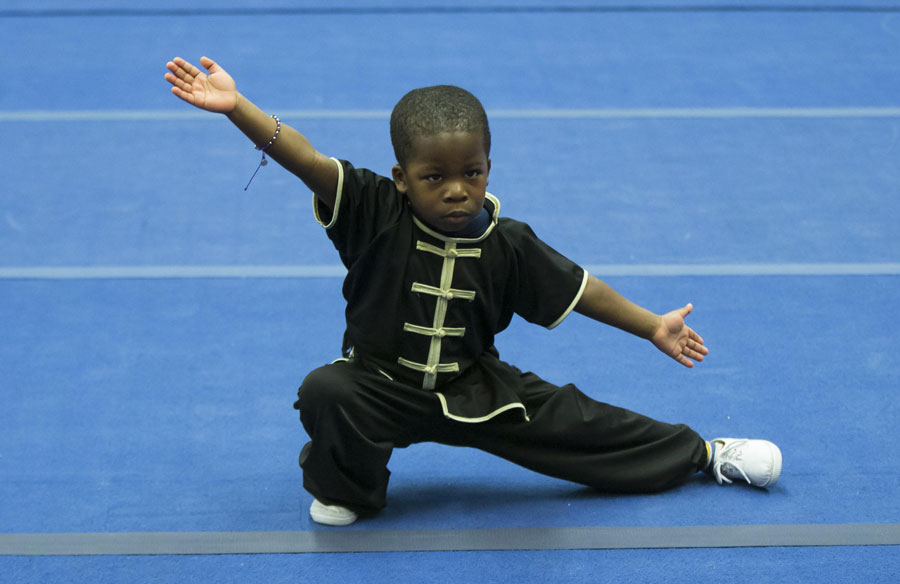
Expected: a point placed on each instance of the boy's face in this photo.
(445, 178)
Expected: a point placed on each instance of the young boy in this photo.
(434, 272)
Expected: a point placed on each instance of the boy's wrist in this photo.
(654, 327)
(645, 325)
(239, 104)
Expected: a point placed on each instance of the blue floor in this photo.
(164, 404)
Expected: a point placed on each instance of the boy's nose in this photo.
(455, 192)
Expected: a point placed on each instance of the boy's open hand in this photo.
(677, 340)
(215, 92)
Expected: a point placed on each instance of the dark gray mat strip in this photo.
(356, 541)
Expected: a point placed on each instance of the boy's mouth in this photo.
(457, 217)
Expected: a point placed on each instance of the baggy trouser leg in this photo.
(344, 463)
(355, 418)
(573, 437)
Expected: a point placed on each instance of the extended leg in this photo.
(573, 437)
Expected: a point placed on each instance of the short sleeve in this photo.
(548, 284)
(365, 204)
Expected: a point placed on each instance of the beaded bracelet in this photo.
(263, 161)
(275, 137)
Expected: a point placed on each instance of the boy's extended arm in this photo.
(667, 332)
(217, 92)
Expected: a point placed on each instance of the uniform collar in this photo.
(480, 227)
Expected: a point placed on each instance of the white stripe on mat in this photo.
(545, 113)
(338, 271)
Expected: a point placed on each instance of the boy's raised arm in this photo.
(217, 92)
(668, 332)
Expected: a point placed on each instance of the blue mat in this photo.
(657, 136)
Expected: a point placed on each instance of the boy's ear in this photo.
(488, 173)
(399, 178)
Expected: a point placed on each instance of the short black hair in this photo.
(431, 110)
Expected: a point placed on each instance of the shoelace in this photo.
(729, 455)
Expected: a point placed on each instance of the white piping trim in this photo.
(562, 317)
(493, 414)
(337, 198)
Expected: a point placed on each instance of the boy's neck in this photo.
(475, 228)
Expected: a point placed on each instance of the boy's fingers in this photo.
(188, 97)
(173, 79)
(693, 354)
(700, 351)
(183, 68)
(696, 339)
(685, 361)
(209, 64)
(181, 73)
(178, 86)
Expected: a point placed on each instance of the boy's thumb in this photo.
(208, 64)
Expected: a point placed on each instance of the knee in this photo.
(326, 386)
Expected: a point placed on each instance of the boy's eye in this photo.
(475, 173)
(432, 177)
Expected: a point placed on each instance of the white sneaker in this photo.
(756, 461)
(331, 514)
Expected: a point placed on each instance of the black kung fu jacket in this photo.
(423, 308)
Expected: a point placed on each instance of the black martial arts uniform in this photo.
(420, 364)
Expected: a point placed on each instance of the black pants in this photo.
(356, 417)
